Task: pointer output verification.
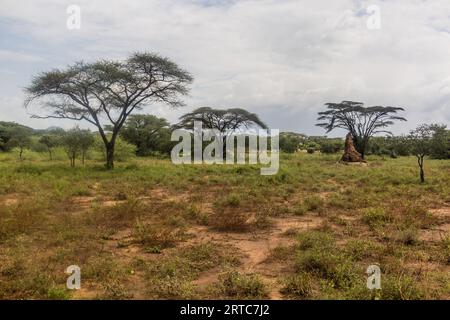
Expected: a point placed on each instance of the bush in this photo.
(154, 236)
(330, 146)
(298, 286)
(313, 203)
(241, 286)
(375, 217)
(408, 236)
(228, 216)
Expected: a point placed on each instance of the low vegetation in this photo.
(154, 230)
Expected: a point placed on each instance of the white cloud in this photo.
(281, 58)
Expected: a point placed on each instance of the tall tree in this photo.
(146, 132)
(108, 92)
(362, 122)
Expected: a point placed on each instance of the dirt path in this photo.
(255, 248)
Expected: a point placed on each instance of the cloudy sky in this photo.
(282, 59)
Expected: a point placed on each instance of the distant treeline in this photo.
(148, 135)
(392, 146)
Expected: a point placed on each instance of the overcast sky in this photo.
(282, 59)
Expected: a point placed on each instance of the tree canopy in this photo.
(224, 120)
(147, 132)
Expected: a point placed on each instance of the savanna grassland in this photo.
(153, 230)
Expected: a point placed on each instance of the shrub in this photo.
(400, 287)
(297, 286)
(313, 203)
(227, 216)
(151, 235)
(408, 236)
(375, 217)
(241, 286)
(445, 245)
(331, 146)
(319, 256)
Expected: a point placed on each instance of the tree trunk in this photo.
(422, 173)
(110, 156)
(20, 154)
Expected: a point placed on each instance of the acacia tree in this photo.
(225, 121)
(362, 122)
(422, 143)
(105, 93)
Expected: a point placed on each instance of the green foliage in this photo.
(148, 133)
(440, 142)
(221, 119)
(298, 286)
(50, 141)
(313, 203)
(318, 255)
(375, 217)
(331, 146)
(19, 137)
(290, 142)
(12, 134)
(242, 286)
(76, 143)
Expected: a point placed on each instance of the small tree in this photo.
(421, 144)
(70, 144)
(86, 141)
(20, 138)
(77, 142)
(50, 142)
(360, 121)
(108, 92)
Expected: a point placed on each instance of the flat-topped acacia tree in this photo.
(226, 121)
(362, 122)
(105, 93)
